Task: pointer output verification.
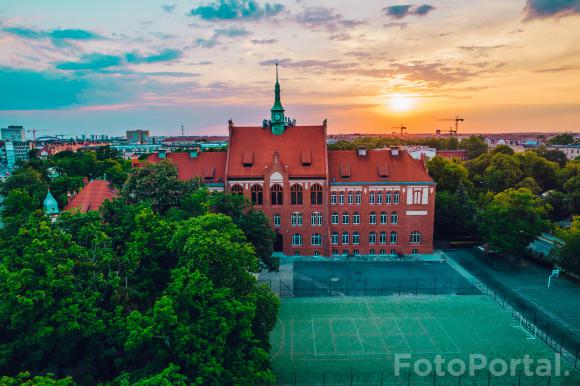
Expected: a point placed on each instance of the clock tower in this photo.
(277, 119)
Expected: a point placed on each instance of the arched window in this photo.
(345, 218)
(334, 238)
(355, 238)
(296, 219)
(277, 220)
(357, 197)
(316, 195)
(384, 217)
(393, 237)
(237, 190)
(257, 195)
(356, 218)
(350, 198)
(316, 219)
(341, 198)
(388, 198)
(396, 197)
(277, 195)
(383, 237)
(372, 238)
(297, 239)
(373, 218)
(379, 197)
(394, 217)
(333, 198)
(371, 197)
(415, 237)
(296, 195)
(316, 239)
(345, 237)
(417, 195)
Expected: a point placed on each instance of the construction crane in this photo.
(34, 131)
(453, 131)
(402, 128)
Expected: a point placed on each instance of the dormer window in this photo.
(306, 158)
(248, 159)
(345, 170)
(383, 171)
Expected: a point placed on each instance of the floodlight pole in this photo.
(555, 273)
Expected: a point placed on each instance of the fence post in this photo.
(351, 378)
(549, 380)
(520, 377)
(381, 378)
(295, 382)
(324, 378)
(329, 287)
(409, 379)
(488, 377)
(434, 378)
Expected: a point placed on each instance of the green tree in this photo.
(448, 174)
(475, 146)
(28, 180)
(512, 220)
(544, 172)
(503, 149)
(454, 215)
(561, 204)
(568, 253)
(561, 139)
(157, 183)
(502, 173)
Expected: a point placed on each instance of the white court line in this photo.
(449, 337)
(358, 335)
(403, 335)
(313, 337)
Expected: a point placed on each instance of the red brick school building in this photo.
(321, 202)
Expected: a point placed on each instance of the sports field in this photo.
(353, 340)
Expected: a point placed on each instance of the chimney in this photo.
(362, 151)
(395, 151)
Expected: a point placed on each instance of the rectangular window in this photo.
(355, 238)
(334, 218)
(296, 253)
(383, 238)
(341, 198)
(358, 198)
(345, 218)
(393, 251)
(415, 251)
(334, 238)
(383, 252)
(350, 198)
(384, 217)
(373, 218)
(296, 219)
(316, 253)
(371, 251)
(345, 238)
(345, 252)
(396, 197)
(335, 252)
(379, 197)
(356, 218)
(333, 198)
(355, 252)
(371, 197)
(388, 197)
(277, 220)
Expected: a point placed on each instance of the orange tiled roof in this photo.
(92, 196)
(348, 166)
(209, 166)
(295, 146)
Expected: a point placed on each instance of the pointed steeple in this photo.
(277, 117)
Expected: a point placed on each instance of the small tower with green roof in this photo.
(277, 119)
(50, 205)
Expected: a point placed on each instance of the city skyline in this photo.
(71, 68)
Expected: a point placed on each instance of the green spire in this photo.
(50, 205)
(277, 117)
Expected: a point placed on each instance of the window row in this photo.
(356, 198)
(356, 252)
(414, 237)
(315, 239)
(277, 194)
(383, 218)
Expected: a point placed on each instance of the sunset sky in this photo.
(71, 66)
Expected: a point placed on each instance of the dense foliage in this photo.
(143, 293)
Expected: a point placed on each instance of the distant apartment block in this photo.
(13, 151)
(571, 151)
(13, 133)
(138, 136)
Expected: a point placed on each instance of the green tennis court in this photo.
(353, 340)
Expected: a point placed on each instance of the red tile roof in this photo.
(355, 168)
(209, 166)
(291, 145)
(92, 196)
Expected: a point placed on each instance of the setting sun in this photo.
(401, 102)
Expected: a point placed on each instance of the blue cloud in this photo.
(397, 11)
(551, 8)
(169, 8)
(91, 62)
(55, 34)
(231, 32)
(236, 10)
(166, 55)
(401, 11)
(31, 90)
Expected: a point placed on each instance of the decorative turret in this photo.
(50, 205)
(277, 120)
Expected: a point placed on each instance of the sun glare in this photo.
(401, 102)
